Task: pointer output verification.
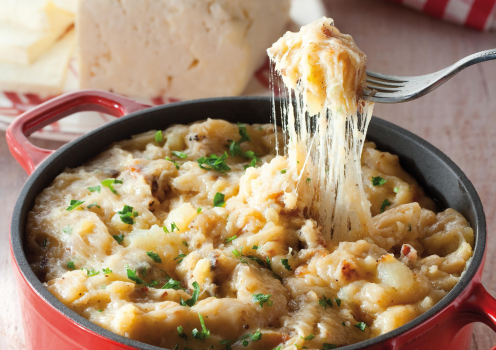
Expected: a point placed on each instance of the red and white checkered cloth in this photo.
(477, 14)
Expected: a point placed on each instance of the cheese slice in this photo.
(27, 32)
(44, 77)
(175, 48)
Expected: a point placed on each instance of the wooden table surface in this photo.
(459, 118)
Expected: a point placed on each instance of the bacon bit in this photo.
(405, 249)
(327, 32)
(408, 255)
(144, 289)
(246, 326)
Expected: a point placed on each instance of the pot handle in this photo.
(28, 155)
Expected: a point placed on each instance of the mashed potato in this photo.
(157, 240)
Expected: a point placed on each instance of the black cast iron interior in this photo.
(434, 171)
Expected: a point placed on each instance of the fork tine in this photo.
(383, 88)
(384, 82)
(388, 78)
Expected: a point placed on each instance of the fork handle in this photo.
(476, 58)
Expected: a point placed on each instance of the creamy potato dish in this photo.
(167, 239)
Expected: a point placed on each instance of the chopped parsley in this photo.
(256, 258)
(94, 204)
(133, 276)
(91, 272)
(155, 257)
(158, 136)
(127, 214)
(94, 189)
(107, 270)
(385, 204)
(165, 229)
(286, 265)
(45, 242)
(229, 240)
(396, 189)
(219, 200)
(204, 333)
(338, 301)
(343, 323)
(74, 204)
(174, 227)
(278, 348)
(119, 238)
(254, 247)
(194, 297)
(67, 230)
(180, 257)
(267, 261)
(378, 181)
(308, 180)
(185, 244)
(309, 337)
(172, 284)
(327, 346)
(262, 299)
(181, 155)
(252, 164)
(239, 254)
(110, 184)
(409, 227)
(180, 331)
(227, 343)
(100, 310)
(283, 171)
(198, 211)
(173, 162)
(361, 326)
(326, 301)
(70, 265)
(213, 162)
(254, 337)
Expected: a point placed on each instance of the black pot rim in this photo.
(17, 231)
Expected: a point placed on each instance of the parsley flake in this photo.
(91, 272)
(385, 204)
(100, 310)
(158, 136)
(67, 230)
(133, 276)
(396, 189)
(219, 200)
(180, 257)
(283, 171)
(94, 189)
(165, 229)
(254, 247)
(361, 326)
(181, 155)
(308, 180)
(343, 323)
(181, 334)
(172, 284)
(213, 162)
(45, 242)
(309, 337)
(326, 301)
(94, 204)
(174, 227)
(338, 301)
(229, 240)
(252, 164)
(327, 346)
(262, 299)
(127, 214)
(194, 297)
(185, 244)
(174, 162)
(70, 265)
(378, 181)
(119, 238)
(155, 257)
(198, 211)
(107, 270)
(286, 265)
(110, 184)
(204, 334)
(74, 204)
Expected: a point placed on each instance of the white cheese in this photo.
(44, 77)
(175, 48)
(28, 28)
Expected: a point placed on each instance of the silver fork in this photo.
(383, 88)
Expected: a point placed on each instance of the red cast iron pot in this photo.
(48, 324)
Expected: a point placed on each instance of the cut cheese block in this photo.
(24, 36)
(44, 77)
(183, 49)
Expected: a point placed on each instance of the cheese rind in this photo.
(44, 77)
(176, 48)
